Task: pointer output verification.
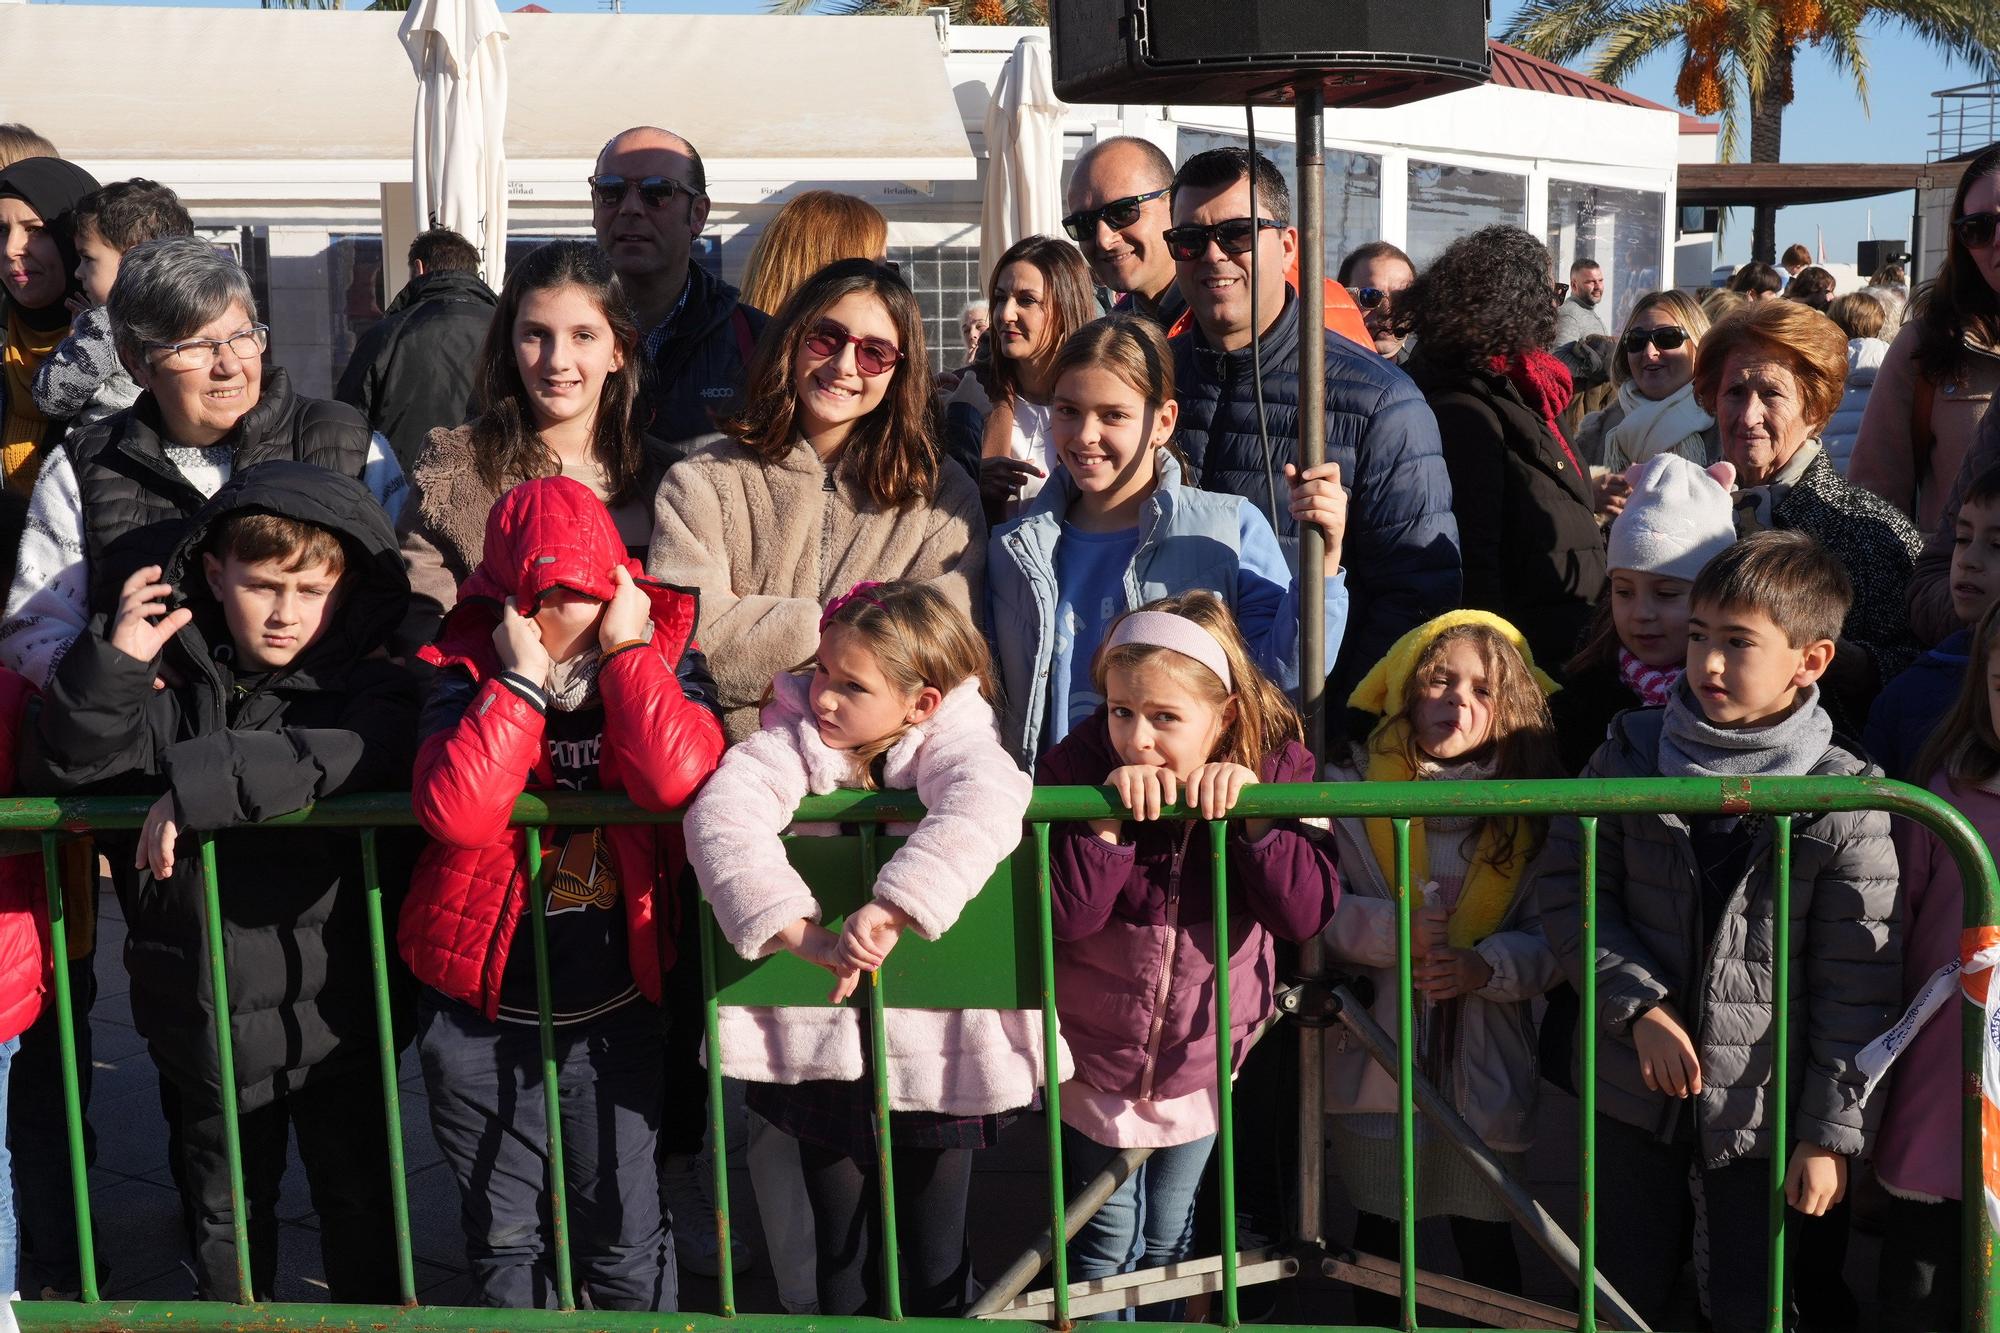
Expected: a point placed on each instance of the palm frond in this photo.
(1753, 38)
(1561, 30)
(1845, 50)
(1644, 33)
(1967, 30)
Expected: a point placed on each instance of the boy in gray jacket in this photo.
(1685, 917)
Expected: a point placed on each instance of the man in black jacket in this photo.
(266, 624)
(412, 373)
(648, 203)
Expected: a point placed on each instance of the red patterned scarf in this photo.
(1653, 685)
(1545, 385)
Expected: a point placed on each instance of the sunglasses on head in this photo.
(1233, 236)
(1368, 297)
(1666, 337)
(1119, 213)
(872, 356)
(609, 191)
(1976, 229)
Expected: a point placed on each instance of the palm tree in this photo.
(1028, 13)
(1737, 56)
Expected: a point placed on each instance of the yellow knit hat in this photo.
(1383, 689)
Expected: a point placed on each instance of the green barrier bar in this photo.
(711, 1019)
(79, 1167)
(551, 1091)
(878, 1071)
(1406, 1106)
(1586, 1088)
(1781, 1060)
(225, 1050)
(1051, 1037)
(392, 1102)
(1225, 1114)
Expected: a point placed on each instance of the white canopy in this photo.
(460, 152)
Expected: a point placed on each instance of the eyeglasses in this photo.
(1976, 229)
(200, 353)
(1118, 214)
(609, 191)
(872, 356)
(1368, 297)
(1666, 337)
(1234, 236)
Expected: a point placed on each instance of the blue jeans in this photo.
(1148, 1223)
(485, 1086)
(9, 1239)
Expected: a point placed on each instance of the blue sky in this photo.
(1825, 124)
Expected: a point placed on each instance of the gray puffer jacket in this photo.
(1654, 948)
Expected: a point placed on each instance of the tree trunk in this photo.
(1766, 130)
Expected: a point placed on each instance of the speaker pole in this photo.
(1310, 105)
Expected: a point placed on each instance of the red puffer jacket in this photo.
(24, 919)
(466, 898)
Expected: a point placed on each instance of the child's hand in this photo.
(1145, 789)
(627, 614)
(1318, 498)
(1816, 1180)
(518, 641)
(1667, 1060)
(871, 931)
(1213, 788)
(1429, 932)
(156, 839)
(144, 624)
(1446, 974)
(820, 947)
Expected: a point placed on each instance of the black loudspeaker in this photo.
(1872, 255)
(1366, 53)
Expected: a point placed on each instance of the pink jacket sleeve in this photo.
(974, 797)
(732, 841)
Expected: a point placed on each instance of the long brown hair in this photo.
(1965, 747)
(813, 230)
(1072, 301)
(893, 450)
(505, 443)
(1264, 719)
(1957, 301)
(919, 638)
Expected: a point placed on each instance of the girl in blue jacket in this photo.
(1117, 527)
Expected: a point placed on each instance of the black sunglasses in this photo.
(1234, 235)
(1082, 224)
(609, 191)
(1667, 337)
(1976, 229)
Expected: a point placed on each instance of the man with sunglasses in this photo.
(1372, 274)
(1117, 211)
(1402, 540)
(648, 204)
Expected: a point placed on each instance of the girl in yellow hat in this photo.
(1459, 698)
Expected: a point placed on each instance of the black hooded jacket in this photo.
(412, 373)
(52, 187)
(235, 747)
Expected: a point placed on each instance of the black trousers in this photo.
(684, 1117)
(44, 1203)
(1920, 1266)
(932, 1187)
(1486, 1255)
(344, 1146)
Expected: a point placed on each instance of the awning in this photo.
(761, 97)
(1746, 184)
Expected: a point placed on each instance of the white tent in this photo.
(1024, 154)
(460, 150)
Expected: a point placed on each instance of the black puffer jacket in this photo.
(1533, 551)
(234, 748)
(412, 373)
(135, 501)
(701, 364)
(1402, 547)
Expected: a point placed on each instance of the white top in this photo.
(1032, 441)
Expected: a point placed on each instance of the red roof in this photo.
(1515, 68)
(531, 9)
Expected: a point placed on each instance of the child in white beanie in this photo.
(1677, 520)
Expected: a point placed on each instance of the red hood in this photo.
(549, 533)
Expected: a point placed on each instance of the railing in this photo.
(1000, 955)
(1965, 121)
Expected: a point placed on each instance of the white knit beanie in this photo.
(1678, 518)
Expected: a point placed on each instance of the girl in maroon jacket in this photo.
(1187, 713)
(561, 667)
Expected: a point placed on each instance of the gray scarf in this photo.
(573, 684)
(1693, 747)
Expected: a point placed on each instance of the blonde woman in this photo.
(1655, 412)
(812, 231)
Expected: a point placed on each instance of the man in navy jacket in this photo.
(1402, 553)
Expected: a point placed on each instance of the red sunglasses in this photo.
(872, 356)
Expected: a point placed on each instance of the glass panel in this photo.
(1353, 196)
(1447, 202)
(944, 277)
(1621, 229)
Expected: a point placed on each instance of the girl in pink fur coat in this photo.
(898, 698)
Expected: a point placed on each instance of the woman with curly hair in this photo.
(1484, 314)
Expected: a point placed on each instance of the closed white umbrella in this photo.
(460, 154)
(1024, 154)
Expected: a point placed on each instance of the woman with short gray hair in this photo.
(117, 496)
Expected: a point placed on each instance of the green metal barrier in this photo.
(999, 955)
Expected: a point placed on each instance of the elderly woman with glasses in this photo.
(118, 496)
(1655, 412)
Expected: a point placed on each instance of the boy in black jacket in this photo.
(245, 681)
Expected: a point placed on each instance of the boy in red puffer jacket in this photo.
(24, 961)
(562, 667)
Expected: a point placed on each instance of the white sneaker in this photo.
(686, 1185)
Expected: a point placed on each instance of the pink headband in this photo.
(863, 592)
(1164, 629)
